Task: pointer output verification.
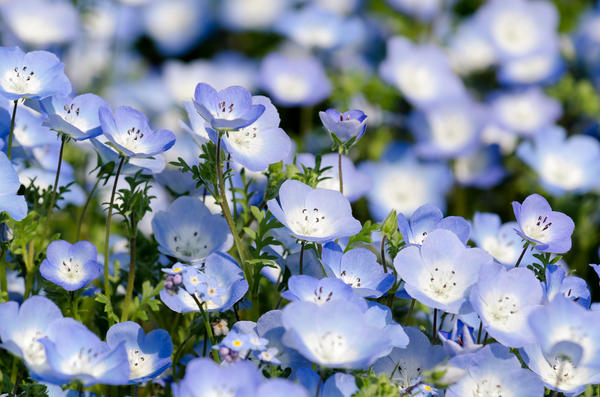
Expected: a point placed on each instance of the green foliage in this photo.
(108, 308)
(373, 385)
(205, 172)
(579, 97)
(133, 203)
(277, 174)
(140, 306)
(364, 236)
(312, 176)
(545, 259)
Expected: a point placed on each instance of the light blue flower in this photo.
(571, 287)
(76, 354)
(22, 327)
(188, 231)
(441, 272)
(127, 130)
(337, 385)
(563, 165)
(428, 218)
(358, 268)
(482, 169)
(305, 288)
(44, 179)
(154, 164)
(460, 340)
(493, 370)
(422, 10)
(33, 75)
(29, 131)
(10, 202)
(228, 109)
(72, 266)
(318, 215)
(76, 117)
(281, 387)
(503, 299)
(344, 126)
(149, 354)
(336, 334)
(549, 231)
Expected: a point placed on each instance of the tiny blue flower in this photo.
(318, 215)
(76, 117)
(72, 266)
(188, 231)
(10, 202)
(127, 130)
(268, 356)
(228, 109)
(428, 218)
(358, 268)
(149, 354)
(549, 231)
(344, 126)
(33, 75)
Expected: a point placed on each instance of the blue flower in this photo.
(571, 287)
(309, 289)
(22, 327)
(281, 387)
(72, 266)
(428, 218)
(76, 354)
(260, 143)
(76, 117)
(493, 370)
(482, 169)
(442, 271)
(563, 164)
(358, 268)
(149, 354)
(318, 215)
(504, 299)
(294, 81)
(336, 334)
(228, 109)
(356, 183)
(345, 126)
(152, 165)
(29, 130)
(460, 340)
(223, 281)
(33, 75)
(406, 367)
(423, 10)
(549, 231)
(15, 205)
(204, 378)
(128, 132)
(189, 232)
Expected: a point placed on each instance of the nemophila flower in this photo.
(441, 272)
(482, 168)
(571, 287)
(503, 299)
(428, 218)
(351, 124)
(494, 371)
(76, 117)
(421, 72)
(127, 131)
(358, 268)
(197, 127)
(22, 327)
(305, 288)
(336, 334)
(188, 231)
(356, 183)
(311, 266)
(318, 215)
(10, 202)
(228, 109)
(460, 340)
(447, 129)
(424, 10)
(281, 387)
(294, 81)
(468, 51)
(405, 367)
(563, 164)
(268, 355)
(524, 111)
(72, 266)
(549, 231)
(405, 184)
(205, 378)
(544, 67)
(33, 75)
(242, 15)
(224, 285)
(149, 354)
(337, 385)
(499, 240)
(152, 165)
(261, 143)
(518, 28)
(76, 354)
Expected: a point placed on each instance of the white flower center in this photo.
(291, 86)
(71, 116)
(350, 278)
(85, 362)
(442, 284)
(139, 363)
(332, 347)
(416, 81)
(310, 223)
(515, 33)
(225, 110)
(562, 172)
(490, 387)
(20, 80)
(189, 243)
(539, 229)
(451, 130)
(71, 271)
(244, 137)
(502, 250)
(321, 296)
(501, 310)
(33, 350)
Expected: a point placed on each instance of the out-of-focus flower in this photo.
(15, 205)
(72, 266)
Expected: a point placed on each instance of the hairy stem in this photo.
(522, 255)
(12, 128)
(207, 327)
(3, 279)
(63, 139)
(131, 275)
(340, 171)
(84, 209)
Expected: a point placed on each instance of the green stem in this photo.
(74, 305)
(3, 280)
(107, 291)
(225, 206)
(12, 128)
(30, 267)
(340, 170)
(207, 328)
(300, 268)
(131, 275)
(84, 209)
(63, 139)
(410, 312)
